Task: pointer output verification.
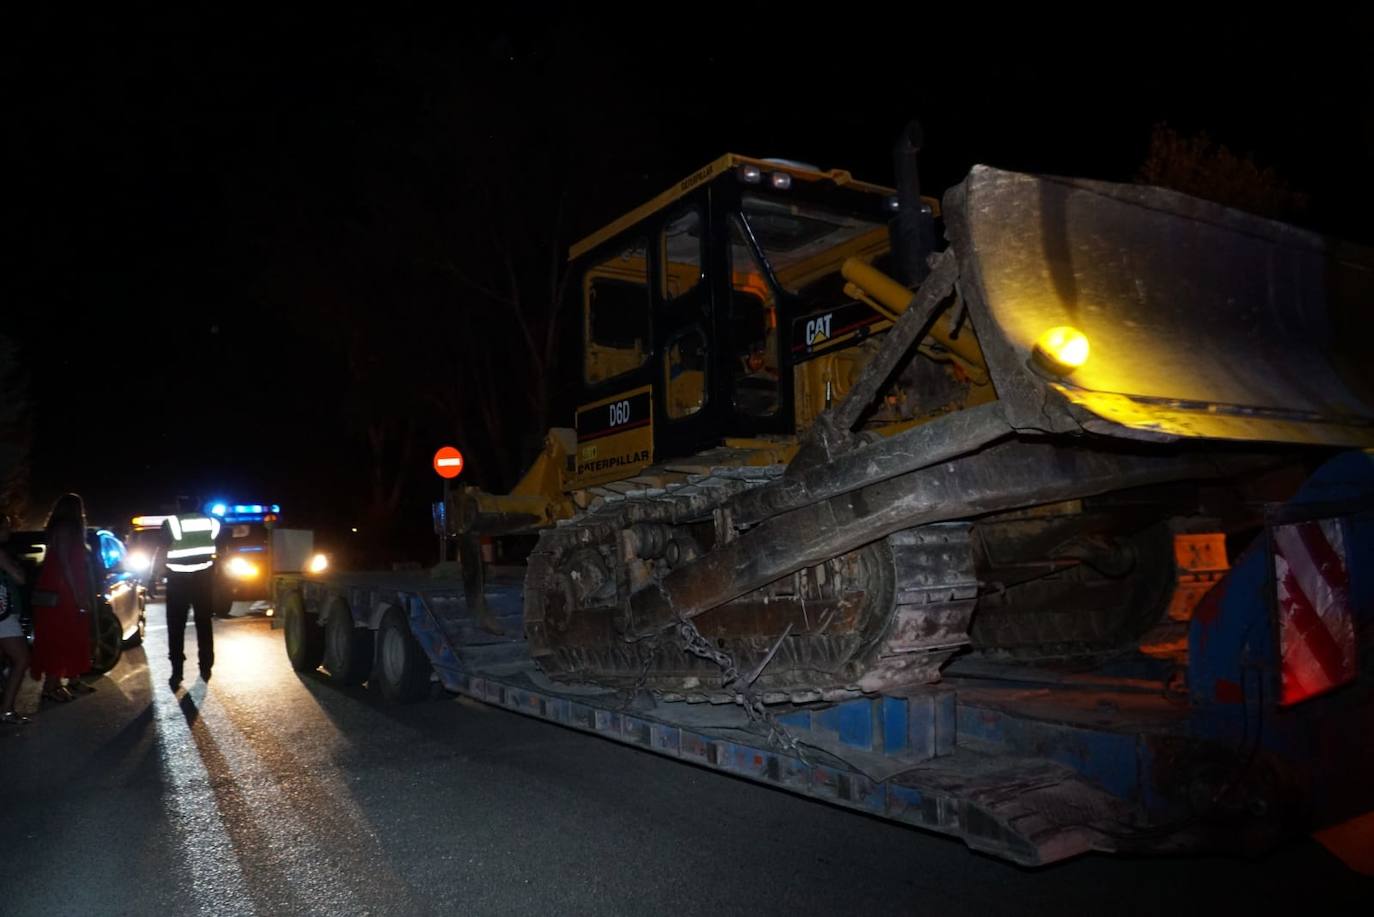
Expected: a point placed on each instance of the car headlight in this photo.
(319, 563)
(137, 562)
(242, 569)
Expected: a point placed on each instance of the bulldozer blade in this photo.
(1202, 321)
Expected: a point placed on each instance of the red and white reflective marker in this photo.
(448, 462)
(1316, 626)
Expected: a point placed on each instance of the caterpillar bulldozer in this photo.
(832, 434)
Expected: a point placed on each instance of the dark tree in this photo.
(15, 431)
(1197, 165)
(439, 292)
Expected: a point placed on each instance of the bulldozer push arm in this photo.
(1001, 477)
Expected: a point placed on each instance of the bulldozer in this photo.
(832, 435)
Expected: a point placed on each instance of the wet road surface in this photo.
(265, 792)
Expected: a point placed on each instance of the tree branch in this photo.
(447, 265)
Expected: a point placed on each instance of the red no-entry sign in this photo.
(448, 462)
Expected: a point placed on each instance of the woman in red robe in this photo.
(63, 601)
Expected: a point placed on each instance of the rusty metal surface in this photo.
(936, 590)
(1203, 321)
(937, 441)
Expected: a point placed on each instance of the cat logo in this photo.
(818, 329)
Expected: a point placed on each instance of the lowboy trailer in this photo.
(1255, 725)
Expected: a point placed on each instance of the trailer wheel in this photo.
(403, 670)
(304, 635)
(347, 649)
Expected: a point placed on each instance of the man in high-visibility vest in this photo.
(190, 538)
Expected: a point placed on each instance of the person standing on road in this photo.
(189, 538)
(63, 600)
(14, 646)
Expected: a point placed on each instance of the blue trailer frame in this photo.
(1029, 764)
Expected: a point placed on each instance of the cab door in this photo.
(650, 382)
(615, 414)
(688, 405)
(751, 360)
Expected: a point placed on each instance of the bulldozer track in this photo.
(919, 592)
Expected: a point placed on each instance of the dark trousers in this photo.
(185, 590)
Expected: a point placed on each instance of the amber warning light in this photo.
(448, 462)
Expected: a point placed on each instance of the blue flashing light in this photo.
(252, 549)
(243, 512)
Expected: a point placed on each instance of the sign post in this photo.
(448, 464)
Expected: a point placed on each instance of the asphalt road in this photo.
(265, 792)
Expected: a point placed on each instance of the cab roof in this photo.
(726, 163)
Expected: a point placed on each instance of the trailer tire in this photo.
(403, 670)
(304, 635)
(347, 649)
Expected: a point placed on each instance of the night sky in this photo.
(260, 256)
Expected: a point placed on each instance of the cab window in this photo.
(681, 248)
(804, 243)
(684, 373)
(753, 330)
(616, 297)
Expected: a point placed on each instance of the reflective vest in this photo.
(193, 542)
